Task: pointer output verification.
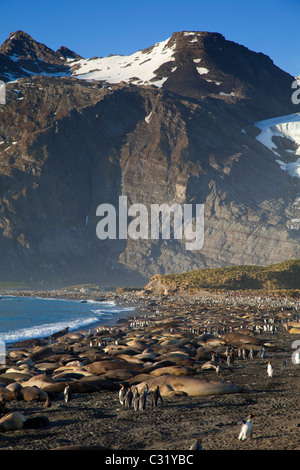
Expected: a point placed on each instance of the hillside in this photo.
(278, 278)
(191, 120)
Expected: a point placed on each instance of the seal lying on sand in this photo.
(12, 421)
(239, 340)
(192, 386)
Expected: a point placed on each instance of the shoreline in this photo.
(112, 321)
(169, 335)
(142, 302)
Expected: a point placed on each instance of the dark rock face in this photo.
(66, 53)
(233, 70)
(69, 145)
(22, 56)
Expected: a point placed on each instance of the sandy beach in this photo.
(167, 336)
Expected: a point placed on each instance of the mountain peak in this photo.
(18, 35)
(21, 45)
(194, 64)
(197, 64)
(66, 53)
(23, 56)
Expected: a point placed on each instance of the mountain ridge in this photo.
(191, 64)
(69, 144)
(22, 56)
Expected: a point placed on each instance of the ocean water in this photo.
(33, 317)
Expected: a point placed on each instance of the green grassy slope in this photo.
(277, 278)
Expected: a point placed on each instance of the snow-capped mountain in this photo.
(192, 119)
(189, 63)
(22, 56)
(140, 68)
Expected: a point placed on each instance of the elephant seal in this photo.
(179, 360)
(189, 385)
(59, 334)
(172, 370)
(139, 378)
(100, 367)
(130, 359)
(15, 387)
(55, 387)
(145, 357)
(295, 324)
(157, 365)
(90, 384)
(33, 393)
(47, 367)
(240, 339)
(40, 381)
(7, 394)
(120, 374)
(210, 341)
(294, 331)
(12, 421)
(15, 376)
(41, 352)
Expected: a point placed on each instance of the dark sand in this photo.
(98, 419)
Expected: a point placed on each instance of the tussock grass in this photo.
(281, 278)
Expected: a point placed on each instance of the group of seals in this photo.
(163, 358)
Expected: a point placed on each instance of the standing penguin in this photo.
(246, 429)
(230, 359)
(284, 364)
(142, 400)
(122, 393)
(297, 357)
(197, 445)
(135, 399)
(67, 393)
(156, 396)
(270, 369)
(128, 398)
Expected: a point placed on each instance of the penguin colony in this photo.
(139, 401)
(269, 325)
(194, 335)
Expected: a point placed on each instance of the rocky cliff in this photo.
(72, 138)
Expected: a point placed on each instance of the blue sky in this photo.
(100, 28)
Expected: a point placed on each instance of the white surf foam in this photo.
(45, 330)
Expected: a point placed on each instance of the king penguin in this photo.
(135, 399)
(197, 445)
(156, 396)
(270, 369)
(246, 429)
(142, 400)
(122, 393)
(128, 398)
(67, 393)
